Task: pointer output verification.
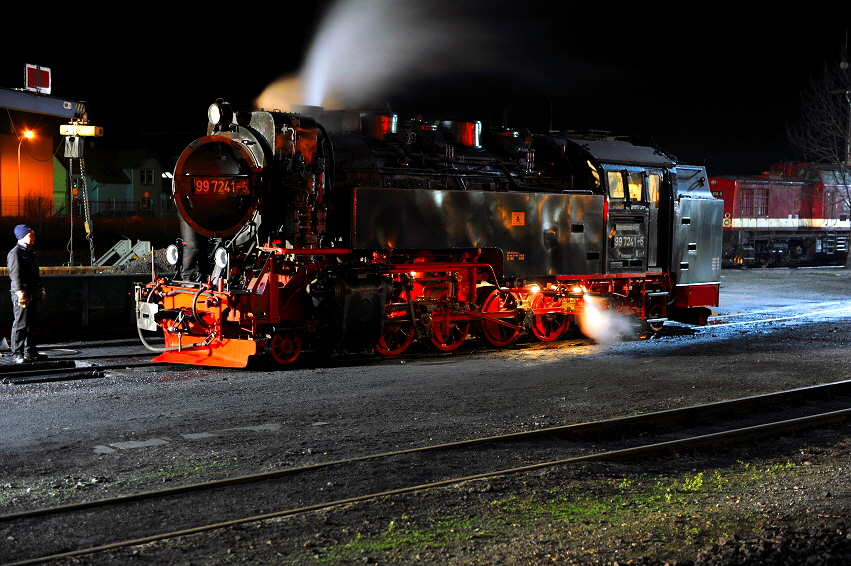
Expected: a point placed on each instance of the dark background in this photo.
(707, 85)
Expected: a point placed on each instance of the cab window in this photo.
(654, 183)
(634, 184)
(594, 174)
(635, 180)
(615, 184)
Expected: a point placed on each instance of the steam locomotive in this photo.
(332, 231)
(795, 214)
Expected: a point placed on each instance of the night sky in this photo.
(708, 91)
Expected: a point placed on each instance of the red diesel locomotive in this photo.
(795, 214)
(345, 231)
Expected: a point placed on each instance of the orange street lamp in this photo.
(27, 135)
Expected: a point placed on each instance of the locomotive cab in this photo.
(628, 223)
(636, 185)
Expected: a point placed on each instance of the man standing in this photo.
(27, 294)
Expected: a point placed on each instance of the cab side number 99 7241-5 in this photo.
(621, 240)
(629, 241)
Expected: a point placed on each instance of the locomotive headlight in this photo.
(172, 254)
(221, 258)
(220, 113)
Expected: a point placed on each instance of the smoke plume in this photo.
(365, 50)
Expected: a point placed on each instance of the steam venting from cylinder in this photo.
(364, 49)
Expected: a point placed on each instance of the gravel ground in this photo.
(786, 502)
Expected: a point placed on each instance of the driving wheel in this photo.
(494, 332)
(548, 326)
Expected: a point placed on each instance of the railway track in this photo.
(159, 515)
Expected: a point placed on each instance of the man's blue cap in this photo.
(22, 230)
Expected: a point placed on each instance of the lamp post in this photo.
(27, 135)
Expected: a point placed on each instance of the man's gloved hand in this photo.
(23, 299)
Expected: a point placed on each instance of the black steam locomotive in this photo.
(349, 231)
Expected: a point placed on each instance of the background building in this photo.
(40, 186)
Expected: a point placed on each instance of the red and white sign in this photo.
(37, 79)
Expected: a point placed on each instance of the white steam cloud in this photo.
(604, 324)
(368, 49)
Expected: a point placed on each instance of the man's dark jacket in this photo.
(23, 270)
